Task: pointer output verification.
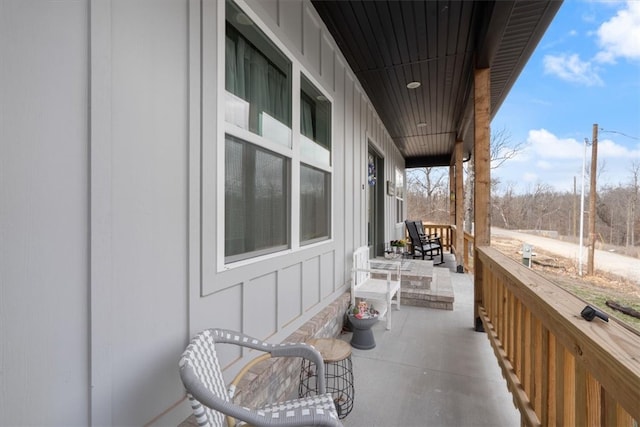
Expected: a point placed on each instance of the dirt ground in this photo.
(595, 289)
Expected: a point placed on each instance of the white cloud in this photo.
(547, 145)
(543, 164)
(572, 69)
(619, 37)
(608, 148)
(557, 161)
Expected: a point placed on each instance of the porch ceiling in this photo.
(438, 43)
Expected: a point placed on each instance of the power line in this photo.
(620, 133)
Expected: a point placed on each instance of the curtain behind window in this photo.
(251, 76)
(306, 118)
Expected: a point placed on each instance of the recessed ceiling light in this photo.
(413, 85)
(422, 125)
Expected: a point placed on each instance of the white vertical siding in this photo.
(44, 90)
(259, 307)
(310, 282)
(311, 39)
(340, 174)
(289, 294)
(327, 274)
(359, 165)
(327, 63)
(351, 168)
(111, 210)
(149, 203)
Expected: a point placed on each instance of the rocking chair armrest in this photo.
(430, 238)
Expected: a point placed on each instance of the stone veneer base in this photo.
(276, 380)
(434, 293)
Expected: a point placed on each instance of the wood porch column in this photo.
(482, 187)
(459, 206)
(452, 194)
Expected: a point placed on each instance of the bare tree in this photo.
(505, 204)
(429, 181)
(501, 150)
(427, 194)
(631, 220)
(428, 188)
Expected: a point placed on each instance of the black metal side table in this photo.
(338, 374)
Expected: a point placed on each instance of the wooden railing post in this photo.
(482, 186)
(458, 193)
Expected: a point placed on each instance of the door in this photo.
(375, 203)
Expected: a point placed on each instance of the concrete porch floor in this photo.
(431, 369)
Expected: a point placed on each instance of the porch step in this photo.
(433, 292)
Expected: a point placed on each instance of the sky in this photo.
(584, 71)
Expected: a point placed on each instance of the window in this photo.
(259, 151)
(315, 204)
(257, 180)
(256, 200)
(257, 80)
(315, 123)
(399, 196)
(315, 147)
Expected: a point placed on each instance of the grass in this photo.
(599, 299)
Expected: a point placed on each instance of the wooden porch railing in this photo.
(561, 369)
(442, 230)
(467, 249)
(469, 243)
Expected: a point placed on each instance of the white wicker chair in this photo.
(212, 401)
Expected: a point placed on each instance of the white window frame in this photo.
(399, 195)
(292, 153)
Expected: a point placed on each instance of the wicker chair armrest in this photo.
(254, 417)
(276, 350)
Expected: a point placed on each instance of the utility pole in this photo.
(581, 245)
(575, 209)
(592, 200)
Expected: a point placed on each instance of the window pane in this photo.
(399, 195)
(257, 80)
(315, 123)
(315, 204)
(256, 200)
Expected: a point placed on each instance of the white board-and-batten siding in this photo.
(109, 138)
